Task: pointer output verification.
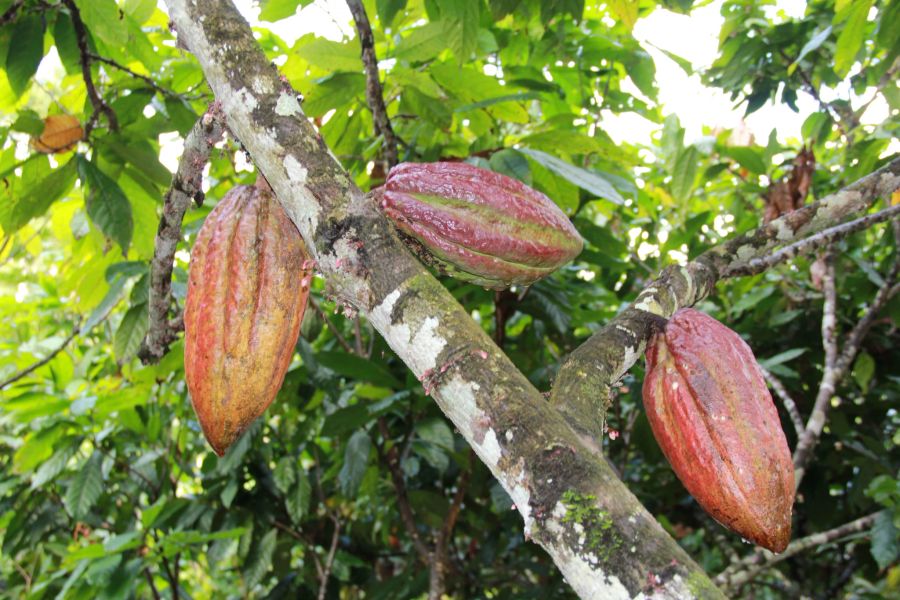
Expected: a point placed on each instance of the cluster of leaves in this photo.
(106, 485)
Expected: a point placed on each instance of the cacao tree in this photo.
(433, 438)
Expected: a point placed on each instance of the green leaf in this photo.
(85, 488)
(437, 432)
(139, 10)
(260, 560)
(864, 370)
(54, 465)
(67, 43)
(103, 20)
(462, 31)
(625, 11)
(356, 459)
(885, 540)
(387, 10)
(852, 36)
(782, 357)
(131, 332)
(36, 199)
(511, 162)
(357, 367)
(275, 10)
(586, 180)
(106, 203)
(748, 158)
(297, 501)
(335, 92)
(331, 56)
(230, 491)
(810, 46)
(751, 299)
(284, 473)
(110, 300)
(26, 50)
(685, 173)
(424, 43)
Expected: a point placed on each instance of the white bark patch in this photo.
(745, 253)
(245, 97)
(588, 581)
(419, 349)
(690, 283)
(784, 232)
(296, 172)
(262, 86)
(287, 105)
(647, 302)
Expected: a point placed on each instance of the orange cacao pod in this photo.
(478, 225)
(247, 290)
(709, 408)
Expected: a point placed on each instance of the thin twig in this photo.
(153, 589)
(813, 91)
(187, 185)
(748, 568)
(329, 560)
(374, 91)
(392, 461)
(824, 237)
(334, 330)
(28, 370)
(97, 101)
(357, 334)
(837, 365)
(299, 537)
(789, 405)
(10, 12)
(148, 80)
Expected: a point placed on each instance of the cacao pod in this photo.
(712, 415)
(477, 225)
(247, 290)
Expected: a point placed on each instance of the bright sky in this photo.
(693, 37)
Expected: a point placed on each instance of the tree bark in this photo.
(601, 538)
(611, 547)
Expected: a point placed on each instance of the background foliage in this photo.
(107, 488)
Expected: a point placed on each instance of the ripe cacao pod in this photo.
(247, 290)
(712, 415)
(477, 225)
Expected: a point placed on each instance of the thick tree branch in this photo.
(533, 452)
(187, 185)
(32, 368)
(823, 238)
(581, 391)
(374, 91)
(748, 568)
(81, 38)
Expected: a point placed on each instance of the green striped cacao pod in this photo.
(712, 415)
(478, 225)
(248, 286)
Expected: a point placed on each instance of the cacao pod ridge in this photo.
(478, 225)
(715, 421)
(247, 292)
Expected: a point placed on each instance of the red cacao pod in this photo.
(478, 225)
(247, 292)
(709, 408)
